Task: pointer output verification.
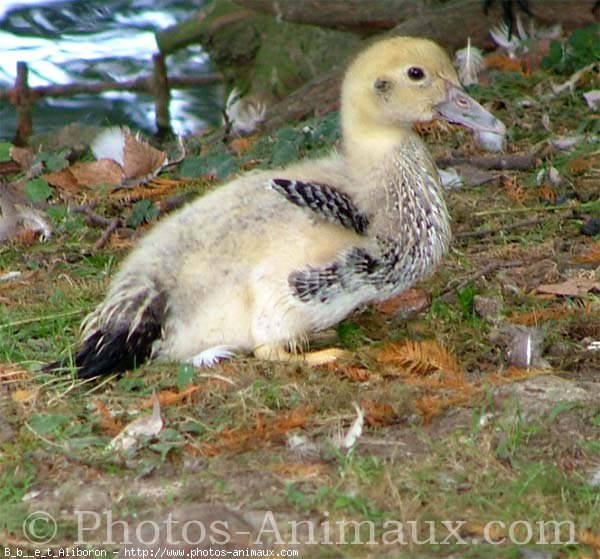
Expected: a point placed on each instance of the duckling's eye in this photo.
(382, 85)
(415, 73)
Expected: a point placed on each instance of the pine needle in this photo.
(240, 439)
(421, 358)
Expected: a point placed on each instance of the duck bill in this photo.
(463, 109)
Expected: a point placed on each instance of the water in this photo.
(64, 41)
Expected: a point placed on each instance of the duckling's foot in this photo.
(279, 353)
(211, 356)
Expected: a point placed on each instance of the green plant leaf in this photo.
(560, 408)
(5, 151)
(142, 211)
(284, 152)
(44, 424)
(193, 167)
(57, 161)
(465, 299)
(37, 190)
(185, 375)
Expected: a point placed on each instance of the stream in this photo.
(66, 41)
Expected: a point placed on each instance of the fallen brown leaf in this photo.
(107, 421)
(590, 256)
(23, 156)
(170, 397)
(573, 287)
(303, 470)
(140, 158)
(86, 175)
(409, 301)
(502, 62)
(13, 373)
(378, 413)
(359, 374)
(242, 145)
(23, 396)
(146, 426)
(239, 439)
(580, 165)
(588, 537)
(514, 191)
(97, 173)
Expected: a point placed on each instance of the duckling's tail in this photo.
(120, 333)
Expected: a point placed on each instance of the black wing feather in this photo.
(325, 201)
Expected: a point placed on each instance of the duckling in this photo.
(260, 263)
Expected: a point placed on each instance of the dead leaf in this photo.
(514, 191)
(590, 256)
(97, 173)
(573, 287)
(86, 175)
(502, 62)
(587, 537)
(9, 167)
(63, 180)
(108, 422)
(302, 470)
(156, 189)
(239, 439)
(23, 156)
(13, 373)
(23, 396)
(409, 301)
(378, 413)
(143, 427)
(358, 374)
(354, 433)
(169, 397)
(242, 145)
(140, 158)
(548, 194)
(514, 374)
(592, 98)
(534, 317)
(580, 165)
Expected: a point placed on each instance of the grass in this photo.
(511, 453)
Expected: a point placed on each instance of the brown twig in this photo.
(518, 161)
(501, 229)
(171, 203)
(114, 225)
(518, 225)
(491, 267)
(92, 218)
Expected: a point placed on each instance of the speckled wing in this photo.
(323, 200)
(356, 270)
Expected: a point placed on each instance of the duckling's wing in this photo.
(325, 201)
(357, 269)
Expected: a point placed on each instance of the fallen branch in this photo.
(574, 207)
(45, 318)
(93, 219)
(518, 161)
(492, 267)
(114, 225)
(503, 228)
(143, 84)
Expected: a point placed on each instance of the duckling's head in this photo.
(399, 81)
